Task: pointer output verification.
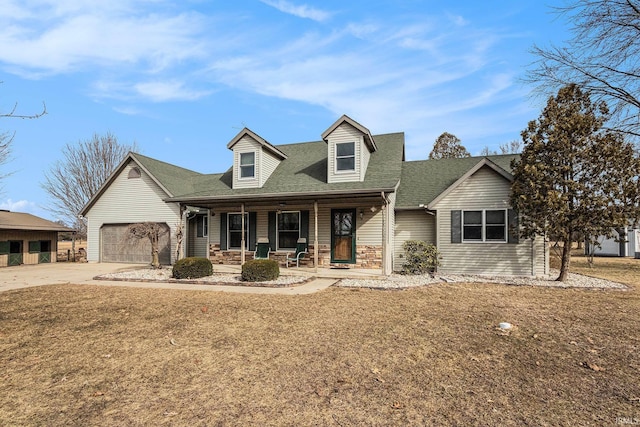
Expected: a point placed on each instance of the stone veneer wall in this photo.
(367, 256)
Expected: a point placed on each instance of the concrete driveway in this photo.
(26, 276)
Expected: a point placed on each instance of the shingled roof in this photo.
(25, 221)
(424, 180)
(305, 172)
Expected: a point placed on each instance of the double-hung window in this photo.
(484, 226)
(346, 156)
(234, 229)
(288, 229)
(247, 165)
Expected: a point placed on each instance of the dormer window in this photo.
(247, 165)
(346, 156)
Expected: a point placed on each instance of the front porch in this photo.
(342, 234)
(320, 272)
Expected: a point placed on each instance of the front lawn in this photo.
(93, 355)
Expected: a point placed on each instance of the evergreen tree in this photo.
(574, 176)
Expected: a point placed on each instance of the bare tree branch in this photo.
(601, 57)
(71, 182)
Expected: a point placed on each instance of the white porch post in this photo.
(242, 240)
(315, 235)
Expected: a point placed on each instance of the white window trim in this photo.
(484, 226)
(336, 157)
(246, 234)
(278, 231)
(255, 158)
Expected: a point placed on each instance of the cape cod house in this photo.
(351, 197)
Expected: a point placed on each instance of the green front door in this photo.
(343, 236)
(15, 252)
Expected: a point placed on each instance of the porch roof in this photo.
(304, 172)
(424, 180)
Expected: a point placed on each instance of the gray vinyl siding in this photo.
(485, 190)
(412, 225)
(246, 145)
(345, 133)
(268, 164)
(197, 246)
(128, 201)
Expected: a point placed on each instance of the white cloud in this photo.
(301, 11)
(75, 38)
(161, 91)
(19, 206)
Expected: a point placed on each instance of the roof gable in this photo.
(368, 138)
(266, 145)
(171, 179)
(423, 181)
(485, 162)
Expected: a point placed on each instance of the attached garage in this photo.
(116, 246)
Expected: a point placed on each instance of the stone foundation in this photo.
(367, 256)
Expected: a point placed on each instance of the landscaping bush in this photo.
(260, 270)
(420, 257)
(192, 268)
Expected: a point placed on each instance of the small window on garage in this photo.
(134, 173)
(4, 247)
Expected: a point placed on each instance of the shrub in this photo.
(260, 270)
(420, 257)
(192, 268)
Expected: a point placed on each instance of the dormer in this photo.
(254, 159)
(349, 147)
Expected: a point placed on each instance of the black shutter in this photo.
(513, 226)
(272, 230)
(456, 222)
(304, 225)
(4, 247)
(253, 222)
(223, 231)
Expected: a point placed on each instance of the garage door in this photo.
(115, 247)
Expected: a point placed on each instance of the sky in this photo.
(180, 79)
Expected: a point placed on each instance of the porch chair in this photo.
(262, 249)
(301, 251)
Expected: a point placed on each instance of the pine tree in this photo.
(574, 176)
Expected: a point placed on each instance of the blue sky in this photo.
(182, 78)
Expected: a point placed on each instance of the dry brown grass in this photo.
(84, 355)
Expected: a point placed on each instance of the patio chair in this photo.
(262, 249)
(301, 251)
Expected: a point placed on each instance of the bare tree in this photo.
(72, 182)
(511, 147)
(151, 231)
(6, 138)
(601, 58)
